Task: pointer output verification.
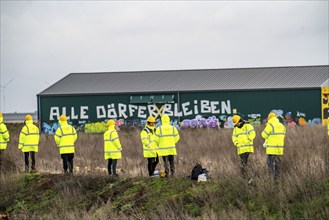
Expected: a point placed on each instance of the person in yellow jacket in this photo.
(4, 136)
(65, 137)
(29, 141)
(274, 135)
(166, 137)
(149, 145)
(112, 148)
(243, 137)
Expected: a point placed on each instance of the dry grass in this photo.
(300, 193)
(306, 153)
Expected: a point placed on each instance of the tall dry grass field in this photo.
(300, 192)
(306, 153)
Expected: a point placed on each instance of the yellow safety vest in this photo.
(166, 137)
(149, 145)
(243, 138)
(4, 135)
(29, 137)
(65, 138)
(112, 145)
(274, 134)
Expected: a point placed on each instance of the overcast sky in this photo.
(43, 41)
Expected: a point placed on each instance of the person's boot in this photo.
(115, 174)
(33, 170)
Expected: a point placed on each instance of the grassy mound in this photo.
(56, 196)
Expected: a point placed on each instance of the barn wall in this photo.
(253, 105)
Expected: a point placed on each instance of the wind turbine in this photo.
(4, 96)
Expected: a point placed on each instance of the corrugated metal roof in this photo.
(191, 80)
(18, 117)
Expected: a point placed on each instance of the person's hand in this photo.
(264, 145)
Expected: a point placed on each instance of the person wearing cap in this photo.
(288, 119)
(166, 137)
(28, 142)
(149, 145)
(112, 148)
(65, 137)
(243, 137)
(274, 135)
(4, 136)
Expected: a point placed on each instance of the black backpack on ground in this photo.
(196, 171)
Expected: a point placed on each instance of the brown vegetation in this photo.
(306, 153)
(302, 191)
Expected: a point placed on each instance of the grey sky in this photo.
(43, 41)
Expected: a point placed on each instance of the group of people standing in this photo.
(274, 135)
(29, 138)
(157, 142)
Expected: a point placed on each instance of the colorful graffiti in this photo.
(199, 122)
(254, 119)
(50, 129)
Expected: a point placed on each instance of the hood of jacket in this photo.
(165, 119)
(62, 123)
(28, 122)
(273, 120)
(111, 127)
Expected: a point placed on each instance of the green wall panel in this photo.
(89, 108)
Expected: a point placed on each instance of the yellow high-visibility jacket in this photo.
(112, 145)
(29, 137)
(4, 135)
(243, 138)
(274, 134)
(166, 137)
(65, 137)
(149, 145)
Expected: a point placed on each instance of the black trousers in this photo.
(170, 159)
(67, 162)
(151, 164)
(274, 165)
(26, 156)
(112, 166)
(244, 162)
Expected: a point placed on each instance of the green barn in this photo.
(192, 98)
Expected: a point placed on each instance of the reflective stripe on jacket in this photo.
(149, 145)
(65, 138)
(29, 137)
(274, 134)
(243, 138)
(166, 137)
(112, 145)
(4, 135)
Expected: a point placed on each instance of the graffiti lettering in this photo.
(121, 110)
(83, 112)
(100, 112)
